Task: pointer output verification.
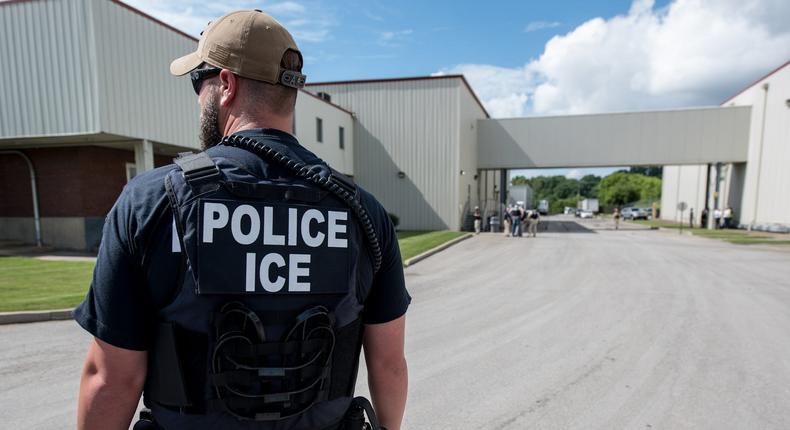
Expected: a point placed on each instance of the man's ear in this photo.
(229, 87)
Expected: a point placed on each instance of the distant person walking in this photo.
(616, 218)
(691, 218)
(703, 219)
(478, 219)
(533, 220)
(506, 220)
(515, 216)
(717, 218)
(728, 215)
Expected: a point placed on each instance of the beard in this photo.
(209, 122)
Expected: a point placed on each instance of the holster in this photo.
(355, 416)
(146, 421)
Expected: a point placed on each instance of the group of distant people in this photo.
(721, 218)
(517, 218)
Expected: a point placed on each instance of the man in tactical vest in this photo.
(235, 288)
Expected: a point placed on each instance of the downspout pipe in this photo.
(36, 215)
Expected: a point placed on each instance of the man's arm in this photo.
(388, 376)
(112, 381)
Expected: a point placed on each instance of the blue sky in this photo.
(528, 58)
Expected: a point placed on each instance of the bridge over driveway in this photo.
(666, 137)
(596, 329)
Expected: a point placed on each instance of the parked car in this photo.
(648, 212)
(635, 213)
(585, 214)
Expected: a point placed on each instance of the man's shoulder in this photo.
(150, 182)
(369, 201)
(144, 193)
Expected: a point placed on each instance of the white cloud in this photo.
(394, 38)
(286, 7)
(504, 91)
(574, 174)
(540, 25)
(691, 52)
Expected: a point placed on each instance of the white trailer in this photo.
(589, 205)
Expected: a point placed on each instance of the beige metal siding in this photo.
(410, 127)
(48, 82)
(685, 136)
(683, 184)
(308, 108)
(469, 113)
(138, 96)
(765, 200)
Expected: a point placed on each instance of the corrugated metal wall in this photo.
(411, 127)
(765, 200)
(469, 113)
(757, 190)
(683, 184)
(48, 86)
(138, 96)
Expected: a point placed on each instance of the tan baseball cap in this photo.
(249, 43)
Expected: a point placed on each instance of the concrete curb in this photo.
(442, 247)
(35, 316)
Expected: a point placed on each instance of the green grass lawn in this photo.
(740, 237)
(416, 242)
(28, 284)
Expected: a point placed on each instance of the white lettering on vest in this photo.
(268, 284)
(249, 284)
(292, 224)
(210, 223)
(269, 238)
(294, 272)
(318, 239)
(255, 224)
(335, 228)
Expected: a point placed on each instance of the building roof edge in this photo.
(405, 79)
(767, 75)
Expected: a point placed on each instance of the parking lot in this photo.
(582, 327)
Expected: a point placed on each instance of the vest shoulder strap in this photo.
(197, 167)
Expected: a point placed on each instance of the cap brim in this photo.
(187, 63)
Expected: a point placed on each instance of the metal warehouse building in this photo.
(757, 187)
(87, 102)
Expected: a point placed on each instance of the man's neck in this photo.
(237, 124)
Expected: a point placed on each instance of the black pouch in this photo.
(355, 416)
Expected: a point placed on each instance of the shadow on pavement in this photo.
(562, 227)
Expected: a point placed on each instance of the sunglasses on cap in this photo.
(199, 75)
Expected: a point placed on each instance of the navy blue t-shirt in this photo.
(140, 263)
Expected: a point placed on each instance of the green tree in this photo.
(519, 180)
(622, 188)
(588, 186)
(652, 171)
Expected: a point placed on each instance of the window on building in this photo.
(131, 171)
(319, 130)
(342, 138)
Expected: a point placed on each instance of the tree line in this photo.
(635, 185)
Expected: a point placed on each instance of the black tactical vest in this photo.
(265, 331)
